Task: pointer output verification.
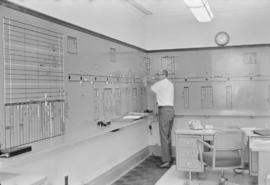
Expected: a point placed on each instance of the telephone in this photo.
(195, 125)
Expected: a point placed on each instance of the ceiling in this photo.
(177, 7)
(169, 7)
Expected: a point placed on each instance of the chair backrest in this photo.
(229, 139)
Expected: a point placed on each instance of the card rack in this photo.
(33, 83)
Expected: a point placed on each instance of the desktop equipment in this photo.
(264, 132)
(195, 125)
(103, 124)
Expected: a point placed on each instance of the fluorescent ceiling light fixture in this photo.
(139, 6)
(200, 9)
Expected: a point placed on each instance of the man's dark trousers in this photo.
(166, 117)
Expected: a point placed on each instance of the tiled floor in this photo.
(209, 177)
(147, 173)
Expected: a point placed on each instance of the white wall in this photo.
(112, 18)
(178, 31)
(250, 105)
(82, 161)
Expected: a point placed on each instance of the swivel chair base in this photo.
(223, 181)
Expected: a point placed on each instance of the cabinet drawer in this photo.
(253, 163)
(208, 138)
(183, 152)
(187, 141)
(189, 164)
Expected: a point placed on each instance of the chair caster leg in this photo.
(238, 170)
(222, 181)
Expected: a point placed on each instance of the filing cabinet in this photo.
(253, 163)
(187, 154)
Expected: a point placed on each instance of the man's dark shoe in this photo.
(165, 165)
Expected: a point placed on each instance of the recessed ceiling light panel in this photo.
(200, 9)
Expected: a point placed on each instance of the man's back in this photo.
(164, 90)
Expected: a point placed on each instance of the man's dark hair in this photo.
(165, 72)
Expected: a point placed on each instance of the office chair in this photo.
(226, 152)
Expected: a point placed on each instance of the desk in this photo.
(187, 152)
(253, 154)
(187, 149)
(261, 146)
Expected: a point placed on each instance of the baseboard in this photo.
(156, 150)
(119, 170)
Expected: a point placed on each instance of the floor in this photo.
(146, 173)
(209, 177)
(149, 173)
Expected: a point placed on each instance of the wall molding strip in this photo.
(208, 48)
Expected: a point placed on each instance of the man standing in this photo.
(164, 91)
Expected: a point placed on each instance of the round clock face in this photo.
(222, 38)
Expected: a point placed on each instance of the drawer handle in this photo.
(189, 143)
(190, 153)
(189, 163)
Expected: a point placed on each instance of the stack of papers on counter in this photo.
(132, 116)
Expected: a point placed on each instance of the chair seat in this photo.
(223, 158)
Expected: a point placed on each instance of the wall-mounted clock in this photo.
(222, 38)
